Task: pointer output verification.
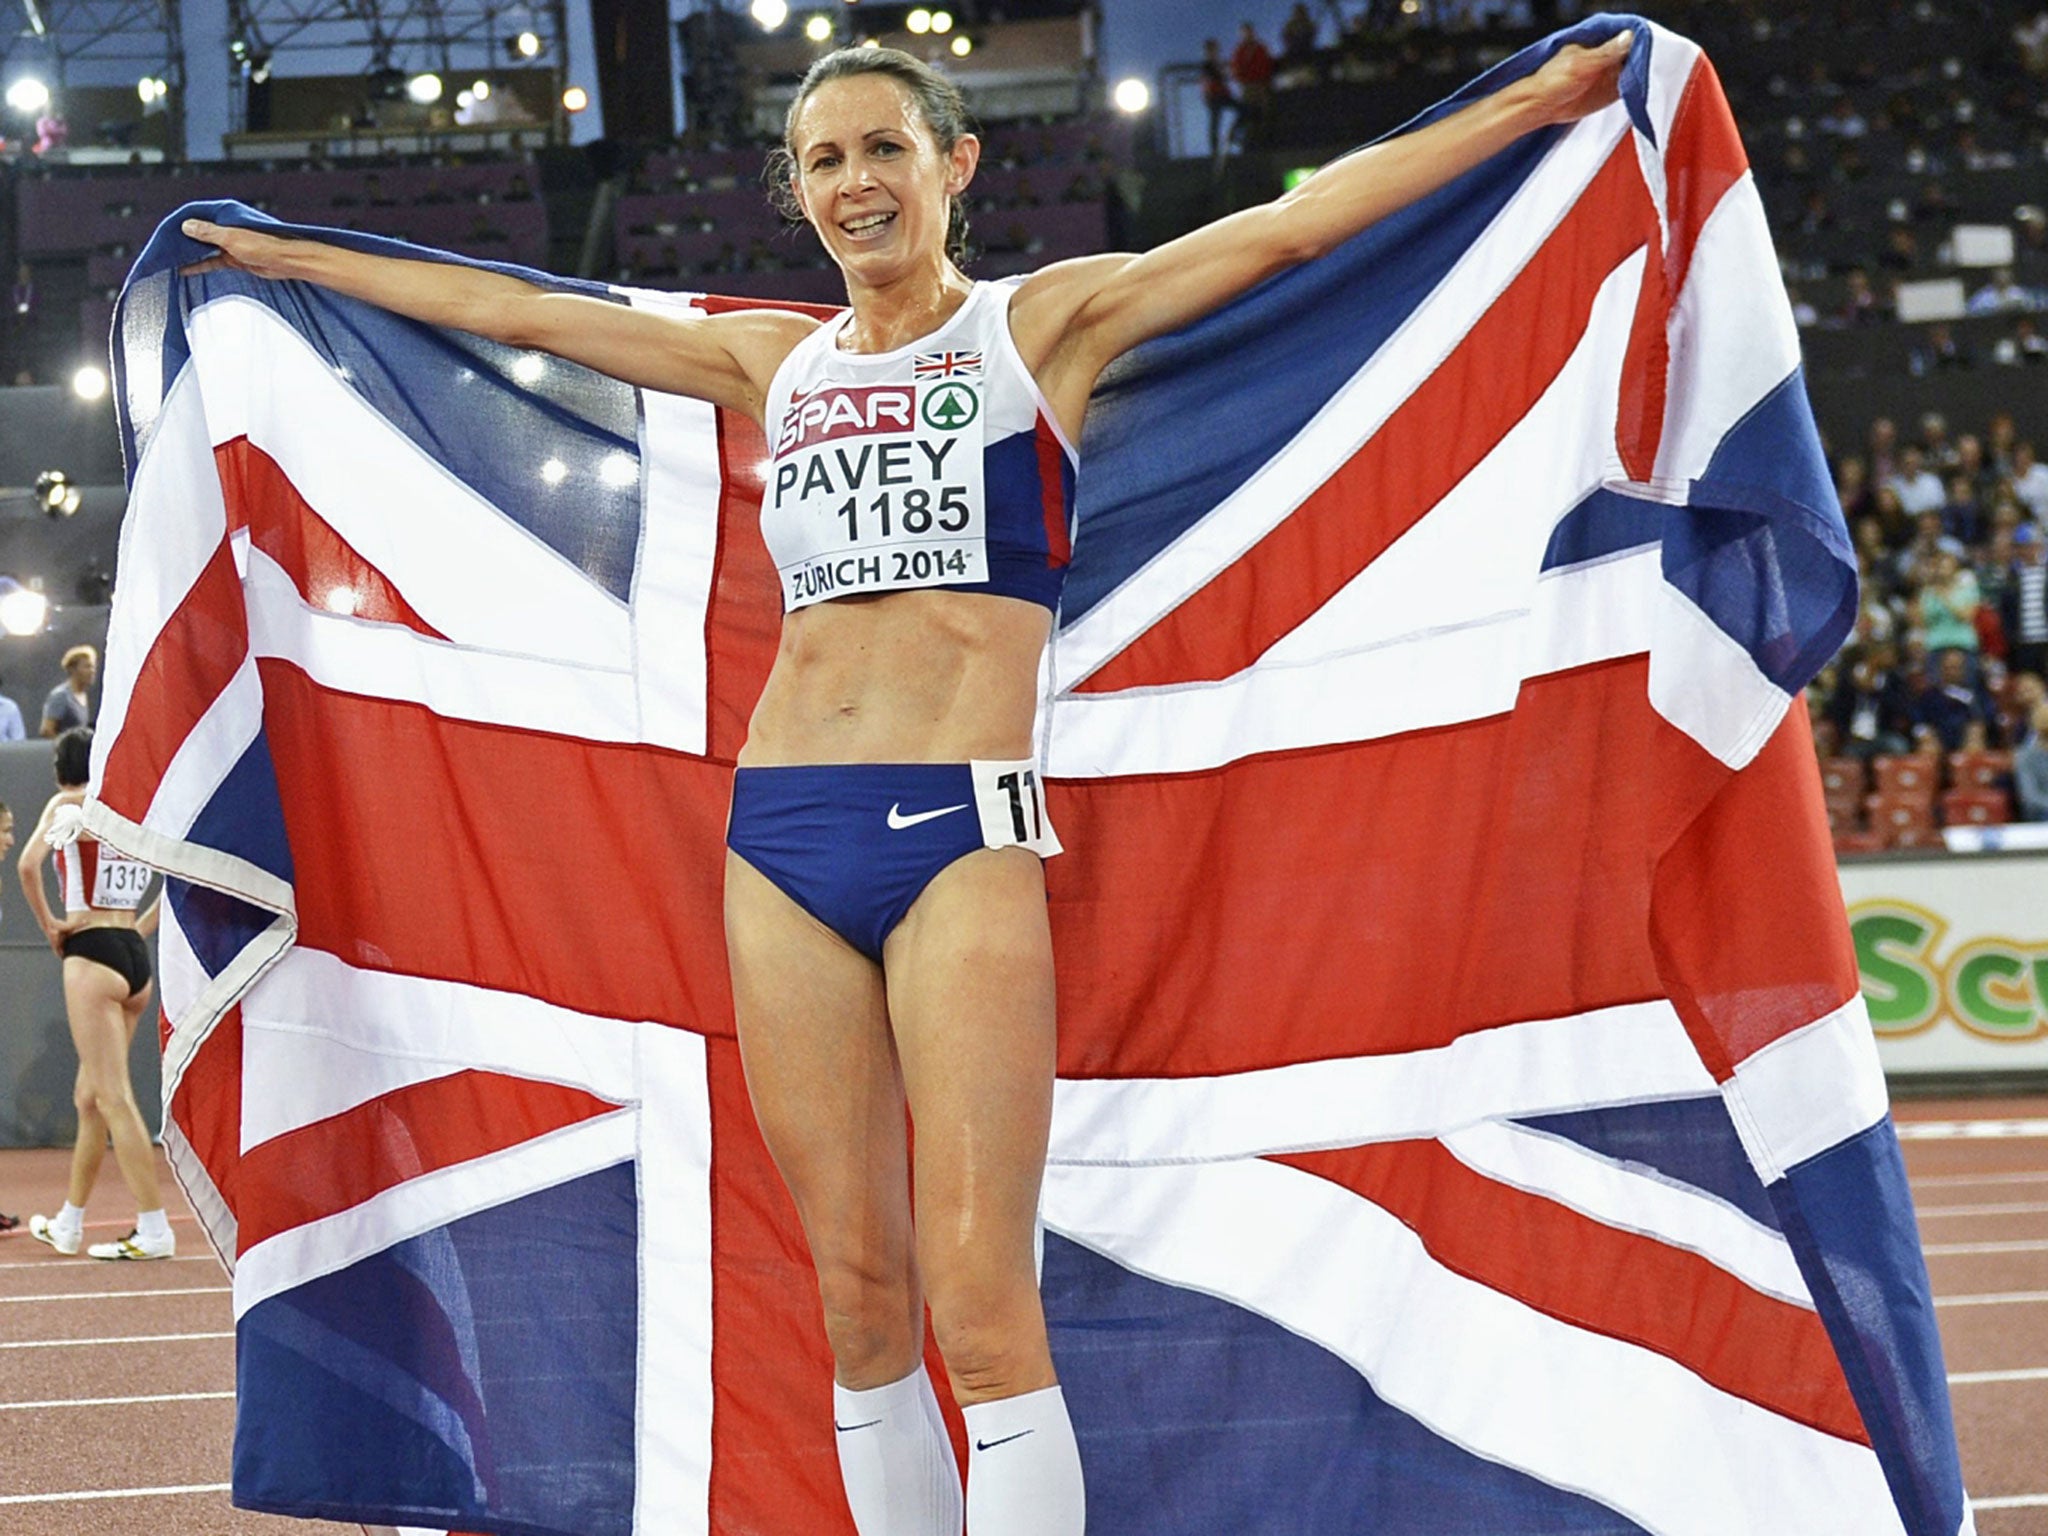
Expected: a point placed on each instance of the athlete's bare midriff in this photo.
(905, 677)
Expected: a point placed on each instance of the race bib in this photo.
(878, 488)
(119, 883)
(1010, 798)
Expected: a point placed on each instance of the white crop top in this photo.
(937, 464)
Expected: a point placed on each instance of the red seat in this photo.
(1975, 807)
(1979, 770)
(1907, 775)
(1895, 815)
(1859, 842)
(1843, 775)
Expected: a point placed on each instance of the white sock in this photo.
(1023, 1468)
(897, 1459)
(153, 1225)
(71, 1218)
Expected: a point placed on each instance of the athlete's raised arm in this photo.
(1074, 317)
(726, 359)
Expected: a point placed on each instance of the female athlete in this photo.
(106, 990)
(885, 901)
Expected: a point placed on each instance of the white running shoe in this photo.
(44, 1230)
(135, 1246)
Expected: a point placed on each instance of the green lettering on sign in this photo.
(1899, 983)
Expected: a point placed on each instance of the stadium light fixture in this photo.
(1132, 95)
(942, 21)
(28, 94)
(919, 21)
(55, 493)
(770, 14)
(871, 42)
(464, 101)
(963, 45)
(575, 99)
(425, 89)
(23, 610)
(819, 28)
(151, 90)
(480, 90)
(526, 45)
(89, 383)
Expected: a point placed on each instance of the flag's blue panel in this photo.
(455, 396)
(1689, 1141)
(245, 816)
(216, 925)
(1240, 384)
(1605, 523)
(1762, 549)
(482, 1377)
(1198, 1418)
(1843, 1212)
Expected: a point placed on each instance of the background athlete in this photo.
(936, 991)
(106, 990)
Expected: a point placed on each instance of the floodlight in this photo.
(963, 45)
(1132, 95)
(819, 28)
(28, 94)
(919, 21)
(575, 99)
(23, 610)
(770, 13)
(89, 383)
(942, 21)
(526, 45)
(425, 89)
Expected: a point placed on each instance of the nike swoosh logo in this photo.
(898, 821)
(847, 1429)
(989, 1445)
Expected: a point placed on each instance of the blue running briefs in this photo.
(855, 844)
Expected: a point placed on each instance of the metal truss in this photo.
(398, 33)
(144, 33)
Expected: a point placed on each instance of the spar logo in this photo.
(832, 413)
(951, 406)
(1993, 987)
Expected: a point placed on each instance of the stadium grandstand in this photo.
(1900, 148)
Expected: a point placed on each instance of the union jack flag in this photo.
(1467, 1118)
(945, 365)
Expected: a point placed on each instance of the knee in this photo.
(991, 1332)
(109, 1103)
(873, 1318)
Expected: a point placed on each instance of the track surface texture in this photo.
(100, 1437)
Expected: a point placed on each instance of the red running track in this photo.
(99, 1437)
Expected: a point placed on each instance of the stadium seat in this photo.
(1979, 770)
(1906, 776)
(1898, 814)
(1975, 807)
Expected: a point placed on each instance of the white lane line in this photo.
(1932, 1180)
(2017, 1245)
(2016, 1208)
(190, 1290)
(138, 1338)
(117, 1402)
(1992, 1299)
(1981, 1378)
(110, 1493)
(180, 1258)
(1970, 1130)
(2013, 1501)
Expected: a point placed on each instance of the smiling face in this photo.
(871, 177)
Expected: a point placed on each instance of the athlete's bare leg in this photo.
(89, 1147)
(823, 1075)
(96, 999)
(971, 999)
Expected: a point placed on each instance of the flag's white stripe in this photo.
(1479, 552)
(1808, 1091)
(175, 522)
(1357, 410)
(680, 491)
(1624, 1425)
(1706, 684)
(208, 753)
(1672, 60)
(390, 661)
(672, 1494)
(432, 1200)
(1580, 615)
(453, 555)
(1634, 1199)
(1626, 1054)
(1732, 336)
(321, 1036)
